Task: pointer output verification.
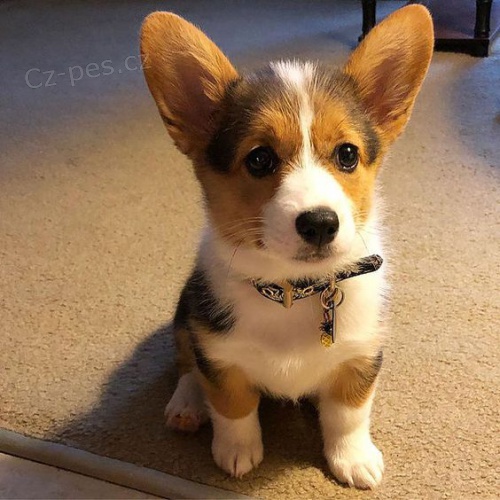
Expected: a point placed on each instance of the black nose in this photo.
(317, 227)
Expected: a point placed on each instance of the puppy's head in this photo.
(287, 156)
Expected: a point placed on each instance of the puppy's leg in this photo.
(187, 409)
(345, 405)
(237, 442)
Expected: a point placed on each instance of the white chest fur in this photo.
(279, 349)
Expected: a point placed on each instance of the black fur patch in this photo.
(244, 98)
(369, 376)
(344, 87)
(181, 317)
(198, 302)
(377, 362)
(370, 136)
(372, 142)
(204, 364)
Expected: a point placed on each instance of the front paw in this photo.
(237, 456)
(357, 464)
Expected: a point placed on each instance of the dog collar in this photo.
(290, 291)
(331, 296)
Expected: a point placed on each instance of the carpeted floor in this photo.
(98, 224)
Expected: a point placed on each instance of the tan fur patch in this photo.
(354, 381)
(236, 205)
(232, 396)
(236, 198)
(332, 126)
(226, 387)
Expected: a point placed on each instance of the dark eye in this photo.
(261, 161)
(347, 157)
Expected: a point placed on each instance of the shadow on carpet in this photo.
(127, 424)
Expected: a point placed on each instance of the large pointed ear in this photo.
(187, 75)
(389, 67)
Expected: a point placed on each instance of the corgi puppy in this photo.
(287, 158)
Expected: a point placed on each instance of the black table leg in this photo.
(483, 13)
(369, 16)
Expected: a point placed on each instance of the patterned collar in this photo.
(290, 291)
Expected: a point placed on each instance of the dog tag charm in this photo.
(331, 298)
(328, 326)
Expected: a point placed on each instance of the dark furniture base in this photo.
(460, 25)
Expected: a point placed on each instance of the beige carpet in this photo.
(98, 223)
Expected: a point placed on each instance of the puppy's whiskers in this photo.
(251, 236)
(243, 235)
(239, 222)
(363, 240)
(232, 258)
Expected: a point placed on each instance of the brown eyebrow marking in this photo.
(259, 106)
